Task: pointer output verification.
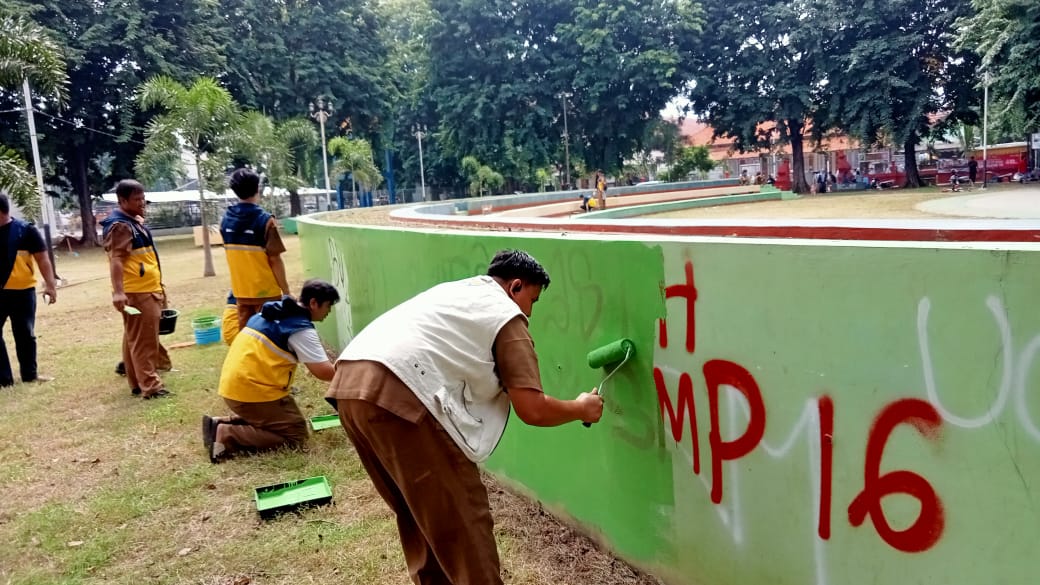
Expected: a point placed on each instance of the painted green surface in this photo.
(652, 208)
(866, 325)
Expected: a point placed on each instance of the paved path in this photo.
(1017, 202)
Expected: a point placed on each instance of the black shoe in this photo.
(209, 432)
(135, 391)
(121, 369)
(160, 393)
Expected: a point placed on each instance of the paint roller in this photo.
(618, 352)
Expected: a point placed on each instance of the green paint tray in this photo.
(272, 500)
(328, 421)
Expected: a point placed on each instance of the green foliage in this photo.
(760, 69)
(111, 48)
(354, 156)
(205, 120)
(480, 177)
(896, 68)
(27, 51)
(613, 66)
(1004, 34)
(18, 182)
(688, 160)
(287, 53)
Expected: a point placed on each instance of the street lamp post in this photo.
(985, 127)
(419, 131)
(566, 141)
(321, 110)
(46, 208)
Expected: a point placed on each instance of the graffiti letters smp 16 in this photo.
(925, 530)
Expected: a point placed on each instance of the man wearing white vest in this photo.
(424, 393)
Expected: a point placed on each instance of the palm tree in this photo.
(27, 53)
(271, 148)
(354, 156)
(204, 119)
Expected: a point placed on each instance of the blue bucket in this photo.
(206, 336)
(207, 329)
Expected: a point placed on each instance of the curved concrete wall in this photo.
(798, 412)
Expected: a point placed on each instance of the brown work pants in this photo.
(257, 426)
(443, 514)
(141, 354)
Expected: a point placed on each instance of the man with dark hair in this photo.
(137, 288)
(21, 245)
(973, 171)
(259, 370)
(424, 393)
(253, 249)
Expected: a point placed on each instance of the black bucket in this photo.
(168, 321)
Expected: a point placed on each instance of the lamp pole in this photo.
(321, 110)
(419, 131)
(985, 127)
(566, 141)
(46, 210)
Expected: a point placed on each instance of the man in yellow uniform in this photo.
(20, 245)
(259, 370)
(137, 289)
(253, 248)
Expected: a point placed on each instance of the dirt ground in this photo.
(871, 204)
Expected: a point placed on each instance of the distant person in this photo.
(424, 393)
(744, 179)
(601, 191)
(258, 372)
(955, 181)
(137, 289)
(759, 179)
(973, 171)
(253, 248)
(20, 247)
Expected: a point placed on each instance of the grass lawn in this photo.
(102, 487)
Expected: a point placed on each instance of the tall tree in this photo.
(285, 53)
(27, 52)
(110, 49)
(502, 73)
(204, 119)
(760, 71)
(896, 70)
(1004, 34)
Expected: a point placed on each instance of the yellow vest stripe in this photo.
(23, 275)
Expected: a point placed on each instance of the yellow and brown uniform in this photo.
(18, 242)
(250, 238)
(130, 242)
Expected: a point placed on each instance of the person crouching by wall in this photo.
(258, 373)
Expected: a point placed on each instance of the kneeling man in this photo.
(258, 373)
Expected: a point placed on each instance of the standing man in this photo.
(973, 171)
(259, 370)
(424, 393)
(20, 245)
(253, 248)
(137, 288)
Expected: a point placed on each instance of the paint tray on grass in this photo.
(327, 421)
(272, 500)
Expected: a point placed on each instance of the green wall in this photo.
(879, 377)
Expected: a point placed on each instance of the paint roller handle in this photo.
(591, 400)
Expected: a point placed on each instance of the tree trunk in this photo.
(81, 185)
(207, 252)
(913, 178)
(295, 208)
(798, 182)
